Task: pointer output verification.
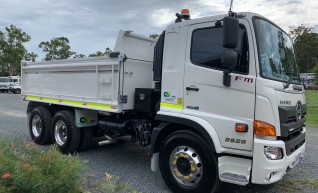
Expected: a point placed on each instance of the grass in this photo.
(298, 185)
(312, 108)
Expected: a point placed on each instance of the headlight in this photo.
(273, 153)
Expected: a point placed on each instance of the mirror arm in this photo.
(227, 78)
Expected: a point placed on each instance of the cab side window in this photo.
(207, 48)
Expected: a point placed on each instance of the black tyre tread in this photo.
(86, 139)
(207, 154)
(46, 119)
(74, 134)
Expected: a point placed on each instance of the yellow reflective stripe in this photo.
(100, 106)
(70, 102)
(50, 100)
(169, 105)
(32, 97)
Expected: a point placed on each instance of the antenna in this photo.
(231, 4)
(230, 10)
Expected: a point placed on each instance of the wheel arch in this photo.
(171, 124)
(53, 108)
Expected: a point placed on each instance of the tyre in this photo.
(64, 133)
(17, 91)
(187, 164)
(86, 139)
(39, 123)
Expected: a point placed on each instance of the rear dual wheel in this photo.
(64, 133)
(39, 124)
(60, 129)
(66, 136)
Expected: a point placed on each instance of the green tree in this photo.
(315, 70)
(79, 56)
(2, 64)
(99, 53)
(30, 57)
(305, 47)
(12, 50)
(57, 48)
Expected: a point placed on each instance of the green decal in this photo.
(167, 94)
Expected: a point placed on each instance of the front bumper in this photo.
(267, 171)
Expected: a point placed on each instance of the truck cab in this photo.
(254, 113)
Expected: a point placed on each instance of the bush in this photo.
(24, 167)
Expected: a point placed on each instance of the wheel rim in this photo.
(186, 166)
(36, 126)
(60, 132)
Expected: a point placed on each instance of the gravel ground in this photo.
(131, 164)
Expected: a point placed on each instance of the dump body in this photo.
(98, 83)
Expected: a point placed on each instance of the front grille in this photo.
(291, 135)
(293, 141)
(292, 128)
(293, 118)
(292, 149)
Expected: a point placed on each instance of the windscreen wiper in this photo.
(292, 76)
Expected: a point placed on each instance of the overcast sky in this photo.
(92, 25)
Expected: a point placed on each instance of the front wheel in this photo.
(187, 164)
(64, 133)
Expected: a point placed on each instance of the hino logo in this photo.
(298, 111)
(282, 102)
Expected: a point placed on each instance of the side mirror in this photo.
(229, 58)
(230, 32)
(230, 42)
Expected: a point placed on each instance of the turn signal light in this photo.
(240, 127)
(262, 128)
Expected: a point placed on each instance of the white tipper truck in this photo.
(216, 98)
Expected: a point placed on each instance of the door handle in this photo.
(192, 89)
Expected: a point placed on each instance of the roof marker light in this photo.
(185, 15)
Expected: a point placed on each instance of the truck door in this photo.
(205, 95)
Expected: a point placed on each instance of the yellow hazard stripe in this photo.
(70, 102)
(173, 106)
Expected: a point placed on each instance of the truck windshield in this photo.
(276, 53)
